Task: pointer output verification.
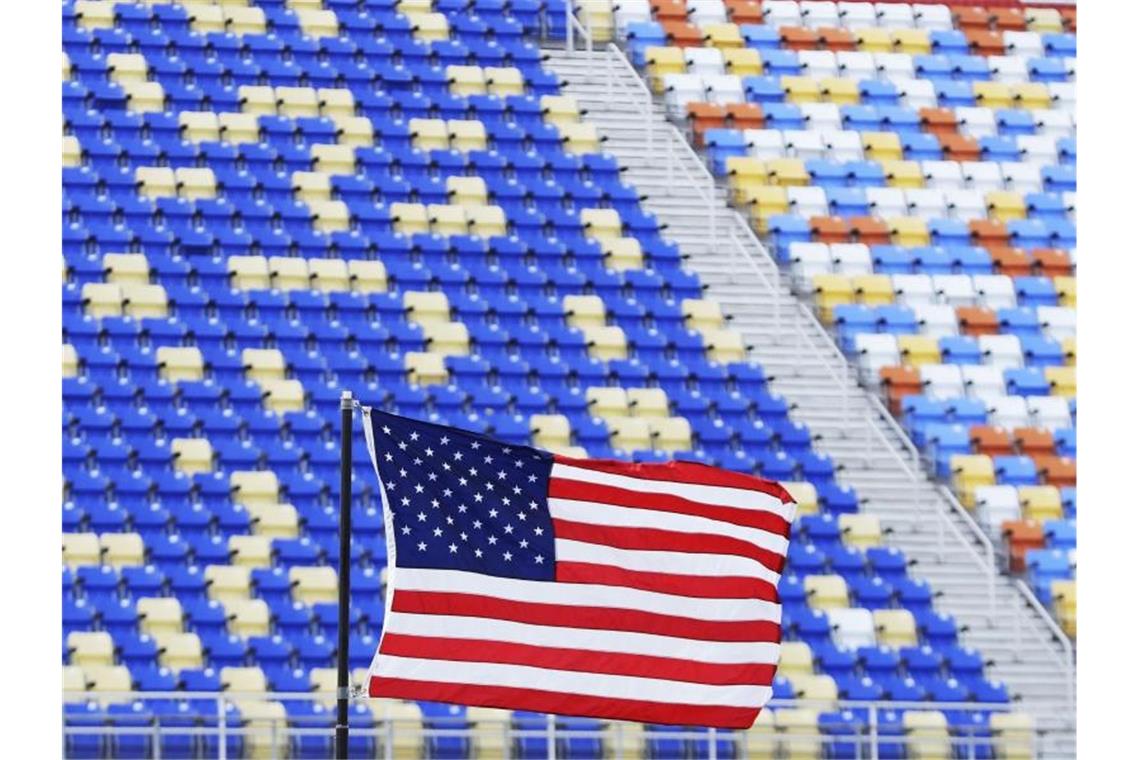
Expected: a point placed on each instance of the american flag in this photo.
(525, 580)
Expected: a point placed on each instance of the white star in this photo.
(463, 481)
(406, 529)
(473, 472)
(518, 463)
(446, 467)
(522, 516)
(417, 461)
(414, 436)
(506, 501)
(405, 501)
(478, 524)
(421, 517)
(490, 486)
(533, 505)
(387, 430)
(517, 490)
(423, 546)
(532, 478)
(538, 559)
(453, 548)
(487, 459)
(492, 540)
(478, 497)
(450, 520)
(493, 513)
(435, 503)
(432, 476)
(507, 556)
(537, 531)
(475, 444)
(502, 475)
(447, 492)
(478, 552)
(390, 485)
(506, 449)
(524, 544)
(463, 536)
(403, 445)
(437, 532)
(428, 451)
(458, 455)
(419, 488)
(462, 508)
(509, 528)
(387, 456)
(403, 473)
(444, 441)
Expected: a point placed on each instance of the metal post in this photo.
(712, 743)
(221, 728)
(873, 716)
(550, 744)
(343, 573)
(569, 25)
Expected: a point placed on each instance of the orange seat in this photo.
(1051, 262)
(991, 441)
(1008, 19)
(1057, 471)
(985, 42)
(970, 17)
(977, 320)
(745, 116)
(799, 38)
(670, 10)
(988, 232)
(938, 121)
(683, 34)
(957, 147)
(900, 382)
(870, 231)
(1011, 261)
(1034, 441)
(836, 39)
(1069, 17)
(744, 11)
(705, 116)
(1021, 536)
(830, 229)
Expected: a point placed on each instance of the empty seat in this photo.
(895, 628)
(120, 549)
(313, 585)
(159, 615)
(192, 455)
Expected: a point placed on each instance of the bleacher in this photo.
(268, 203)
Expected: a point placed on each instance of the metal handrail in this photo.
(1066, 643)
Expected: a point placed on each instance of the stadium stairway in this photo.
(806, 367)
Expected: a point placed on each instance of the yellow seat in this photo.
(860, 530)
(725, 345)
(264, 726)
(227, 582)
(283, 396)
(426, 368)
(895, 628)
(1066, 287)
(560, 109)
(840, 90)
(629, 433)
(313, 585)
(970, 471)
(179, 651)
(927, 735)
(547, 430)
(746, 176)
(192, 455)
(993, 95)
(815, 687)
(873, 40)
(251, 551)
(86, 648)
(145, 97)
(918, 350)
(670, 433)
(788, 172)
(108, 678)
(597, 16)
(206, 17)
(199, 126)
(579, 138)
(254, 487)
(743, 62)
(429, 134)
(426, 308)
(1069, 345)
(621, 254)
(66, 67)
(72, 153)
(259, 100)
(179, 363)
(466, 80)
(243, 679)
(882, 146)
(831, 290)
(297, 101)
(873, 289)
(238, 128)
(1063, 381)
(702, 314)
(125, 68)
(661, 61)
(467, 135)
(1047, 20)
(805, 496)
(764, 202)
(318, 23)
(490, 732)
(354, 131)
(760, 741)
(795, 660)
(467, 191)
(1032, 95)
(430, 27)
(143, 301)
(909, 231)
(1065, 605)
(73, 682)
(504, 81)
(248, 272)
(1040, 503)
(273, 520)
(904, 174)
(826, 592)
(288, 273)
(607, 402)
(126, 268)
(584, 311)
(414, 6)
(601, 223)
(156, 182)
(247, 617)
(797, 731)
(159, 615)
(725, 37)
(447, 338)
(336, 102)
(195, 182)
(70, 361)
(487, 221)
(409, 218)
(647, 402)
(333, 159)
(368, 276)
(95, 14)
(330, 216)
(800, 89)
(605, 342)
(1005, 205)
(406, 720)
(241, 20)
(330, 275)
(81, 549)
(911, 41)
(1013, 735)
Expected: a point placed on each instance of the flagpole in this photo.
(343, 573)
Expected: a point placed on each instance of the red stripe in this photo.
(681, 472)
(713, 587)
(578, 660)
(565, 488)
(538, 700)
(655, 539)
(593, 618)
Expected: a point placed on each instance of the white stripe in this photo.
(587, 595)
(599, 513)
(720, 496)
(654, 645)
(674, 563)
(572, 682)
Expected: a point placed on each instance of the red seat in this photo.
(745, 116)
(1057, 471)
(989, 233)
(1021, 536)
(869, 230)
(683, 34)
(900, 382)
(938, 121)
(799, 38)
(1011, 261)
(830, 229)
(744, 11)
(669, 10)
(836, 39)
(985, 42)
(991, 440)
(1033, 441)
(956, 147)
(969, 17)
(705, 116)
(1069, 17)
(977, 320)
(1008, 19)
(1051, 262)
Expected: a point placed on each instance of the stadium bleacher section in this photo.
(267, 203)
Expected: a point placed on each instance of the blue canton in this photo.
(461, 501)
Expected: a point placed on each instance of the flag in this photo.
(525, 580)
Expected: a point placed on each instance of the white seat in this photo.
(856, 65)
(1051, 412)
(854, 15)
(966, 204)
(942, 381)
(819, 63)
(1054, 122)
(995, 505)
(942, 175)
(724, 89)
(703, 12)
(1058, 322)
(817, 15)
(886, 201)
(843, 145)
(913, 289)
(629, 12)
(1064, 95)
(895, 15)
(680, 91)
(704, 61)
(955, 290)
(1024, 178)
(983, 176)
(1070, 200)
(1008, 412)
(917, 93)
(1023, 44)
(765, 144)
(894, 66)
(807, 201)
(782, 13)
(975, 121)
(995, 291)
(822, 116)
(1008, 69)
(983, 382)
(808, 260)
(933, 17)
(852, 628)
(875, 352)
(925, 202)
(1038, 149)
(852, 258)
(1001, 351)
(937, 320)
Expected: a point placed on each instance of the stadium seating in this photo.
(265, 204)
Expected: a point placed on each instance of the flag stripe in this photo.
(681, 585)
(568, 616)
(703, 566)
(539, 700)
(562, 658)
(682, 472)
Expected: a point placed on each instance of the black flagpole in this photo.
(343, 573)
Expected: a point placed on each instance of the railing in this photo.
(576, 27)
(1068, 659)
(869, 726)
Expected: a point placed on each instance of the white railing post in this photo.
(873, 716)
(569, 25)
(550, 743)
(221, 728)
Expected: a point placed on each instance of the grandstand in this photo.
(827, 243)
